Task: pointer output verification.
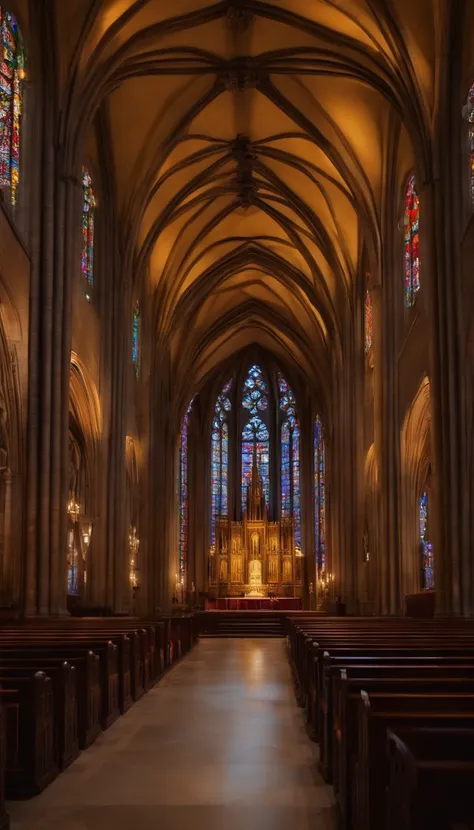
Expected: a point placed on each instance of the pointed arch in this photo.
(84, 438)
(417, 555)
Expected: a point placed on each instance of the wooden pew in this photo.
(431, 772)
(29, 725)
(87, 686)
(63, 677)
(349, 681)
(4, 816)
(377, 713)
(108, 666)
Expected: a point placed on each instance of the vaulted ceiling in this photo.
(250, 143)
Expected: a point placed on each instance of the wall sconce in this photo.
(86, 540)
(73, 509)
(134, 544)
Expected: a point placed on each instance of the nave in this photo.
(218, 743)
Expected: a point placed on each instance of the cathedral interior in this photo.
(236, 354)
(282, 187)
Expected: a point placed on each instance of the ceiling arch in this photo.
(249, 142)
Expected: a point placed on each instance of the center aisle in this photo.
(219, 744)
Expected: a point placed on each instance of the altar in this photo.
(254, 604)
(256, 557)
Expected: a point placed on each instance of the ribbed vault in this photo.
(249, 143)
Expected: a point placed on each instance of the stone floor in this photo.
(219, 744)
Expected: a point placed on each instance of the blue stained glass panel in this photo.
(426, 547)
(136, 333)
(220, 457)
(319, 495)
(290, 457)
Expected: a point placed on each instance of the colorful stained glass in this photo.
(88, 227)
(290, 457)
(183, 498)
(220, 457)
(470, 102)
(255, 397)
(285, 470)
(319, 496)
(412, 243)
(368, 333)
(255, 432)
(426, 547)
(136, 338)
(12, 76)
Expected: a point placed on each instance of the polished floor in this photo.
(219, 744)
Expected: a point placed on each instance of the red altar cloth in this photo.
(254, 604)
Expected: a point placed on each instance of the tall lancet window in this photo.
(12, 75)
(319, 495)
(412, 242)
(88, 228)
(136, 339)
(183, 490)
(368, 323)
(470, 117)
(220, 457)
(290, 457)
(255, 432)
(426, 547)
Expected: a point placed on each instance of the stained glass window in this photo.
(88, 227)
(368, 332)
(255, 432)
(470, 102)
(12, 75)
(319, 495)
(290, 457)
(136, 336)
(426, 547)
(412, 241)
(220, 457)
(183, 498)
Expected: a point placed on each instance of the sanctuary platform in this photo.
(254, 604)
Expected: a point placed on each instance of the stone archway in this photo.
(416, 457)
(82, 506)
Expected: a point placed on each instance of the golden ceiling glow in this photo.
(250, 145)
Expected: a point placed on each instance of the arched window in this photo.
(412, 242)
(290, 457)
(12, 75)
(368, 330)
(136, 339)
(426, 547)
(183, 486)
(220, 457)
(88, 228)
(470, 118)
(319, 496)
(255, 432)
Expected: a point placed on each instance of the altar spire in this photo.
(256, 506)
